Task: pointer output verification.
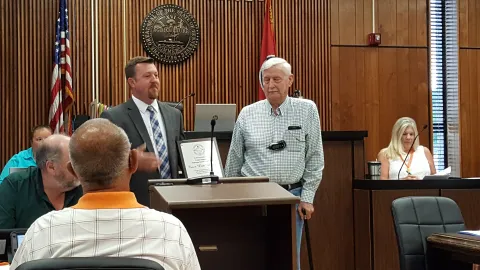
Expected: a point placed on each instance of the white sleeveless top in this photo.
(419, 166)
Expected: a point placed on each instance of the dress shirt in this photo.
(109, 224)
(22, 159)
(23, 199)
(258, 126)
(142, 107)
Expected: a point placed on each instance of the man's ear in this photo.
(133, 161)
(290, 80)
(131, 82)
(70, 169)
(49, 165)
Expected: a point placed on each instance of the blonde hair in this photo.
(395, 148)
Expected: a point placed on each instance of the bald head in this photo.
(52, 149)
(99, 154)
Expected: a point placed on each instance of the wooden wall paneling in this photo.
(372, 104)
(412, 22)
(335, 82)
(462, 9)
(469, 98)
(359, 97)
(360, 26)
(422, 23)
(224, 69)
(362, 229)
(373, 87)
(360, 166)
(26, 70)
(402, 23)
(472, 24)
(387, 14)
(9, 137)
(405, 88)
(335, 22)
(389, 94)
(347, 21)
(467, 201)
(466, 145)
(333, 218)
(469, 42)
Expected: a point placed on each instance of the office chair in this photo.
(85, 263)
(416, 218)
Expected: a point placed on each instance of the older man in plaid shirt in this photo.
(280, 137)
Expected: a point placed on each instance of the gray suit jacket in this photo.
(127, 116)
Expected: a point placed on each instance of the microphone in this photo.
(189, 95)
(213, 123)
(212, 178)
(424, 127)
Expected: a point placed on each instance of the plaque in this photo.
(195, 155)
(170, 34)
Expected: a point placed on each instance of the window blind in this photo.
(444, 84)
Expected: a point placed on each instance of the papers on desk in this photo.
(446, 171)
(4, 267)
(474, 233)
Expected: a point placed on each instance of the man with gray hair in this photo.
(280, 138)
(29, 194)
(108, 220)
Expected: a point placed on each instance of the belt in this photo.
(292, 186)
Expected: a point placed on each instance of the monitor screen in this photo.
(20, 239)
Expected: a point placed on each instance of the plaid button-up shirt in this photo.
(302, 159)
(109, 224)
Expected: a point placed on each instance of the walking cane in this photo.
(307, 237)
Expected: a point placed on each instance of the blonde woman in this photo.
(419, 162)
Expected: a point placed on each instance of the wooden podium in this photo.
(235, 225)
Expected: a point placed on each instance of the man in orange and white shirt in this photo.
(108, 220)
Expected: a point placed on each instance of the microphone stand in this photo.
(413, 143)
(213, 123)
(190, 95)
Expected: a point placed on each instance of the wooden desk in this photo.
(375, 240)
(453, 251)
(235, 226)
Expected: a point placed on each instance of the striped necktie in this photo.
(160, 145)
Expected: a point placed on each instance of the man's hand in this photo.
(147, 161)
(308, 209)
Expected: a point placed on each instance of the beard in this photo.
(153, 91)
(67, 181)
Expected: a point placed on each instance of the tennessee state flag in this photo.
(268, 40)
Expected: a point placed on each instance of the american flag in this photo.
(61, 98)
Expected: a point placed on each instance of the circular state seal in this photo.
(169, 34)
(198, 149)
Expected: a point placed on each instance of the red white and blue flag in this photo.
(61, 99)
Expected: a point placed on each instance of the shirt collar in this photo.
(281, 110)
(27, 154)
(142, 106)
(108, 200)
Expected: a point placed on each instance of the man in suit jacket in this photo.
(150, 125)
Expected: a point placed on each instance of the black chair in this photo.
(416, 218)
(83, 263)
